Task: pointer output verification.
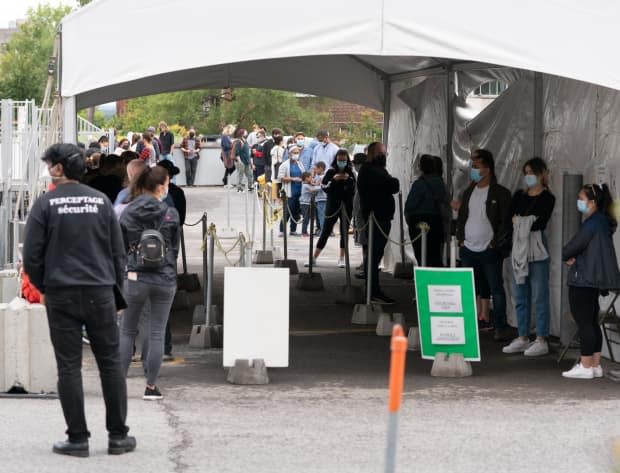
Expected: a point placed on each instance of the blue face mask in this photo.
(301, 143)
(341, 164)
(474, 175)
(530, 180)
(582, 206)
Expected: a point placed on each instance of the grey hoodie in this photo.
(146, 212)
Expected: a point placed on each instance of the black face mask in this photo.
(191, 135)
(381, 159)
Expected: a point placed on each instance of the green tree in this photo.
(364, 132)
(24, 63)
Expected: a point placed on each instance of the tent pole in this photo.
(69, 122)
(450, 98)
(387, 104)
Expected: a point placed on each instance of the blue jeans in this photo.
(488, 264)
(536, 290)
(320, 212)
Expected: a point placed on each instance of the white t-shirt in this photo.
(478, 229)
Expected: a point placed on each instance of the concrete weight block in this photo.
(43, 376)
(9, 285)
(350, 295)
(413, 339)
(198, 317)
(249, 374)
(384, 325)
(16, 345)
(310, 282)
(291, 264)
(365, 314)
(450, 366)
(206, 336)
(263, 257)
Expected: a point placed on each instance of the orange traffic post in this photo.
(397, 382)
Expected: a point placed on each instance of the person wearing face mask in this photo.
(151, 285)
(268, 146)
(289, 174)
(377, 188)
(191, 152)
(339, 185)
(531, 210)
(325, 151)
(123, 146)
(484, 231)
(593, 270)
(258, 155)
(74, 255)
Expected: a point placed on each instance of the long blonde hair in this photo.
(228, 130)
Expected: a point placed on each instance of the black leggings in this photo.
(332, 214)
(584, 308)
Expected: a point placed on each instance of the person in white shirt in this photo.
(325, 151)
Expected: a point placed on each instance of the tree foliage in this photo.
(24, 63)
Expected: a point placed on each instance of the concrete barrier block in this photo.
(310, 282)
(450, 366)
(198, 317)
(413, 339)
(43, 377)
(263, 257)
(16, 345)
(384, 325)
(9, 285)
(206, 336)
(350, 295)
(249, 374)
(291, 264)
(365, 314)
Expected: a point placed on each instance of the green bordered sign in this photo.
(447, 312)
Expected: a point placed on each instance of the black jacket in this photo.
(376, 188)
(146, 212)
(73, 239)
(595, 257)
(498, 207)
(340, 191)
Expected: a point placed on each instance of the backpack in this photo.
(150, 252)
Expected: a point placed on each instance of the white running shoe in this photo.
(537, 348)
(579, 372)
(518, 345)
(598, 371)
(341, 263)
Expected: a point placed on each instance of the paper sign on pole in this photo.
(256, 318)
(447, 315)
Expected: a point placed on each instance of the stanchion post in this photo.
(402, 226)
(211, 260)
(183, 255)
(253, 221)
(371, 234)
(397, 381)
(344, 230)
(311, 256)
(265, 219)
(453, 249)
(228, 208)
(424, 245)
(285, 224)
(205, 274)
(247, 216)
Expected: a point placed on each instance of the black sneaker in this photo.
(382, 299)
(152, 394)
(73, 449)
(120, 446)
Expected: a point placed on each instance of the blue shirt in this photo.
(325, 153)
(122, 196)
(295, 186)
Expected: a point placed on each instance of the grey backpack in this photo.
(150, 252)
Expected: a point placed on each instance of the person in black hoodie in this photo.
(339, 185)
(153, 285)
(376, 188)
(74, 255)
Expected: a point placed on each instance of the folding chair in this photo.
(609, 321)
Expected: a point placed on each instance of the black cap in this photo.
(171, 168)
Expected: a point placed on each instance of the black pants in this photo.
(584, 307)
(67, 310)
(190, 170)
(227, 172)
(435, 238)
(332, 215)
(378, 248)
(168, 339)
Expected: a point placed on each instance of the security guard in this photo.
(74, 255)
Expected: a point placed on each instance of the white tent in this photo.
(416, 61)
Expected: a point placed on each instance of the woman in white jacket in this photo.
(289, 175)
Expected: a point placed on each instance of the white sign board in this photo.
(447, 330)
(445, 299)
(256, 315)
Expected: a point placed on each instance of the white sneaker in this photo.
(341, 263)
(537, 348)
(598, 371)
(307, 263)
(518, 345)
(579, 372)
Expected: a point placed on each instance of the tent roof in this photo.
(114, 49)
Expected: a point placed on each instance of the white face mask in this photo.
(164, 195)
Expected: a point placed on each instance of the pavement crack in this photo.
(183, 439)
